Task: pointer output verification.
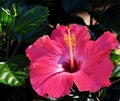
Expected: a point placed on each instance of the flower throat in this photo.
(69, 39)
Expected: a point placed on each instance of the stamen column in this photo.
(70, 41)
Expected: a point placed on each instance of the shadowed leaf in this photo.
(30, 21)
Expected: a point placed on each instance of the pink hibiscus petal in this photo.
(96, 50)
(64, 83)
(83, 82)
(98, 73)
(94, 76)
(100, 76)
(105, 43)
(95, 60)
(81, 33)
(58, 36)
(41, 47)
(50, 79)
(77, 30)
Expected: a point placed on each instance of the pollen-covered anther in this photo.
(69, 39)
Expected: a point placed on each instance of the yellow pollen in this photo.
(70, 41)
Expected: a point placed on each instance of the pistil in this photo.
(70, 41)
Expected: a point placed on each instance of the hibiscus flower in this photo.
(69, 57)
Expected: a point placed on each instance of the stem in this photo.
(116, 81)
(12, 24)
(8, 37)
(8, 45)
(91, 12)
(105, 5)
(15, 49)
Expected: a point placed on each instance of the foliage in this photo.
(17, 28)
(25, 28)
(14, 72)
(23, 21)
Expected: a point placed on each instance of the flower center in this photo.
(69, 39)
(67, 66)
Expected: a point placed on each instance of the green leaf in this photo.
(6, 75)
(14, 71)
(115, 57)
(13, 11)
(116, 71)
(6, 20)
(36, 34)
(30, 21)
(0, 28)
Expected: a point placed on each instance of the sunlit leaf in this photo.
(115, 56)
(6, 75)
(14, 71)
(6, 20)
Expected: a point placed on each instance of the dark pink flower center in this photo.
(67, 66)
